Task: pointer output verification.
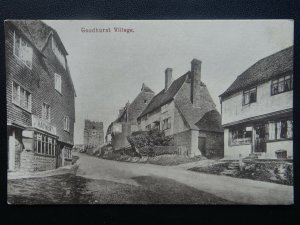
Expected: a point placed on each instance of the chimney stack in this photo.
(195, 82)
(168, 78)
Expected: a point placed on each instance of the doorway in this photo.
(260, 138)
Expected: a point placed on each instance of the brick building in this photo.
(126, 123)
(40, 97)
(257, 109)
(93, 135)
(185, 110)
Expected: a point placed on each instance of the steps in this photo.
(232, 169)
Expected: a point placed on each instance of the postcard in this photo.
(149, 111)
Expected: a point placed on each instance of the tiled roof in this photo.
(38, 32)
(265, 69)
(192, 114)
(163, 96)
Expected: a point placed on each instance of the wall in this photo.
(93, 134)
(233, 152)
(278, 145)
(119, 140)
(40, 82)
(214, 143)
(233, 109)
(184, 139)
(32, 162)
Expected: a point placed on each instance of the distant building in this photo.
(257, 109)
(185, 110)
(93, 135)
(126, 123)
(40, 97)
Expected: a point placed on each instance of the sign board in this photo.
(248, 128)
(43, 125)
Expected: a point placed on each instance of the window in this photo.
(148, 127)
(66, 123)
(46, 112)
(249, 96)
(282, 84)
(58, 82)
(166, 124)
(21, 97)
(164, 108)
(67, 153)
(44, 145)
(281, 129)
(59, 55)
(22, 50)
(240, 136)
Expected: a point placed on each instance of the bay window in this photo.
(44, 145)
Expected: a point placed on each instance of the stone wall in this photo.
(214, 143)
(183, 140)
(32, 162)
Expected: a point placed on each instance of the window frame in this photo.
(249, 91)
(18, 103)
(66, 123)
(27, 44)
(166, 121)
(247, 141)
(44, 145)
(291, 77)
(275, 122)
(43, 111)
(56, 75)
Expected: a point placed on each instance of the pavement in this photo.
(241, 191)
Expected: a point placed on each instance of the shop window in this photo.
(21, 97)
(240, 136)
(282, 84)
(22, 50)
(249, 96)
(281, 129)
(44, 145)
(67, 153)
(46, 112)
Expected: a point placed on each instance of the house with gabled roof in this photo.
(185, 110)
(257, 109)
(40, 97)
(126, 122)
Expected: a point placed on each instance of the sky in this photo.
(109, 68)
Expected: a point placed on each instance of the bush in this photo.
(150, 138)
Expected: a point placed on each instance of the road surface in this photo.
(100, 181)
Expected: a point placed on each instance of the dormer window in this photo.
(59, 55)
(22, 50)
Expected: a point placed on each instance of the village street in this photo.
(100, 181)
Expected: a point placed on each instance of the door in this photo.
(260, 138)
(11, 150)
(202, 145)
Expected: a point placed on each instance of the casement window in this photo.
(280, 129)
(44, 145)
(166, 124)
(66, 123)
(282, 84)
(46, 112)
(22, 50)
(67, 153)
(148, 127)
(58, 82)
(59, 55)
(240, 136)
(249, 96)
(21, 97)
